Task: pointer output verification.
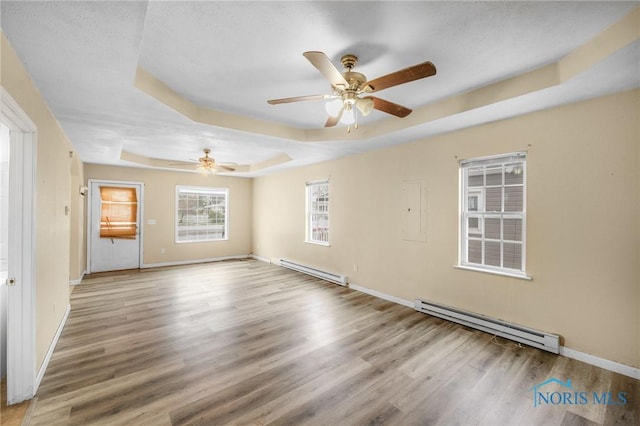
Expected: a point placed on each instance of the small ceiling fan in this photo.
(350, 86)
(207, 165)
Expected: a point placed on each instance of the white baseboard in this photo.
(193, 261)
(52, 346)
(381, 295)
(79, 280)
(260, 258)
(606, 364)
(616, 367)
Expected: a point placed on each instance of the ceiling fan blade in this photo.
(182, 164)
(296, 99)
(416, 72)
(332, 121)
(389, 107)
(223, 167)
(326, 67)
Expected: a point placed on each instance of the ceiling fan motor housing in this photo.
(356, 80)
(206, 159)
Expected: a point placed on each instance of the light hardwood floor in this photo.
(248, 343)
(10, 415)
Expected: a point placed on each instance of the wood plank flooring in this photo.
(10, 415)
(248, 343)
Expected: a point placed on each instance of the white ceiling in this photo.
(234, 56)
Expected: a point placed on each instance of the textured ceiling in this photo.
(224, 60)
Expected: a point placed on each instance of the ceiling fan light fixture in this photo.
(347, 87)
(333, 107)
(365, 106)
(348, 115)
(205, 169)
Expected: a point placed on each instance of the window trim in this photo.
(308, 221)
(204, 190)
(494, 272)
(463, 239)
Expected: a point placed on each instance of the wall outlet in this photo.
(163, 251)
(355, 267)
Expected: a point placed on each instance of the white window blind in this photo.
(493, 213)
(318, 212)
(201, 214)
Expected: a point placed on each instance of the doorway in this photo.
(4, 244)
(18, 134)
(114, 226)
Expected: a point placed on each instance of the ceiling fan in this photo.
(350, 86)
(207, 165)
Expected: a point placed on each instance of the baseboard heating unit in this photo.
(329, 276)
(528, 336)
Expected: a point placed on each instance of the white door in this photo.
(109, 252)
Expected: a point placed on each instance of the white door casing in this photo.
(4, 242)
(21, 374)
(106, 254)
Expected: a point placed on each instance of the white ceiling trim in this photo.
(614, 38)
(164, 80)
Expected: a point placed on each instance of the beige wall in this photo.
(78, 245)
(583, 223)
(53, 179)
(159, 204)
(583, 244)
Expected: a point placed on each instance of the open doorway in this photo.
(18, 134)
(15, 413)
(4, 244)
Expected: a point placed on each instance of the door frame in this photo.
(90, 223)
(21, 371)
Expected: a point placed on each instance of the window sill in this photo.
(490, 271)
(318, 243)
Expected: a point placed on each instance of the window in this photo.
(492, 223)
(474, 200)
(318, 212)
(118, 212)
(201, 214)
